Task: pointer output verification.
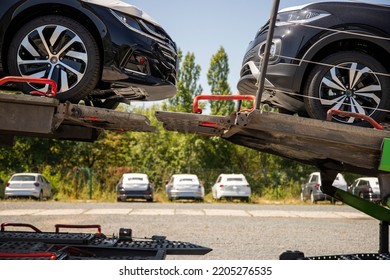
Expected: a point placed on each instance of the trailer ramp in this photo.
(46, 117)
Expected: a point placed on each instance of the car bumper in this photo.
(135, 194)
(185, 194)
(321, 197)
(21, 193)
(373, 197)
(234, 194)
(136, 65)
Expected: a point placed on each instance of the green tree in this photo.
(187, 84)
(217, 78)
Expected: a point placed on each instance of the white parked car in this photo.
(231, 186)
(28, 185)
(184, 186)
(134, 185)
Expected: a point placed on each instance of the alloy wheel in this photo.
(54, 52)
(350, 87)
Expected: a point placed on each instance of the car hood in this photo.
(124, 8)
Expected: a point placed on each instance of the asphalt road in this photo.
(232, 230)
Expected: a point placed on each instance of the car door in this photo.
(43, 185)
(216, 188)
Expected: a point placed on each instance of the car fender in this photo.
(16, 17)
(331, 38)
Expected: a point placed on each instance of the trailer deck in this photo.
(46, 117)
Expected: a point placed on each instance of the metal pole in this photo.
(90, 182)
(264, 64)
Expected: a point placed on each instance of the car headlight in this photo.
(127, 20)
(299, 16)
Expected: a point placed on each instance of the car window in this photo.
(362, 183)
(23, 178)
(314, 179)
(186, 180)
(135, 179)
(234, 179)
(374, 184)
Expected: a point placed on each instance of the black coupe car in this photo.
(325, 55)
(100, 51)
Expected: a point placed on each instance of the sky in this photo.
(203, 26)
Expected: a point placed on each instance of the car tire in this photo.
(330, 87)
(302, 197)
(312, 199)
(40, 197)
(71, 56)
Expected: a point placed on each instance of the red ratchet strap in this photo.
(17, 79)
(197, 110)
(332, 112)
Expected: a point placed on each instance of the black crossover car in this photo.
(326, 55)
(100, 51)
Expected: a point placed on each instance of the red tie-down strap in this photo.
(332, 112)
(17, 79)
(197, 110)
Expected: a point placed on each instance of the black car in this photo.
(98, 51)
(326, 55)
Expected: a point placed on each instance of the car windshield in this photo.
(135, 179)
(23, 178)
(185, 180)
(234, 179)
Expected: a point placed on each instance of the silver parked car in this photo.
(231, 186)
(312, 188)
(184, 186)
(366, 188)
(134, 185)
(28, 185)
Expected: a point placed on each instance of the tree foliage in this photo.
(217, 78)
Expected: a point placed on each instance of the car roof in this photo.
(368, 178)
(135, 174)
(33, 174)
(185, 175)
(232, 175)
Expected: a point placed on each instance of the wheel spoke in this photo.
(355, 74)
(74, 71)
(78, 55)
(43, 39)
(56, 34)
(368, 92)
(40, 74)
(74, 40)
(64, 81)
(335, 83)
(336, 102)
(356, 107)
(28, 47)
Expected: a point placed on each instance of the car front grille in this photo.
(165, 43)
